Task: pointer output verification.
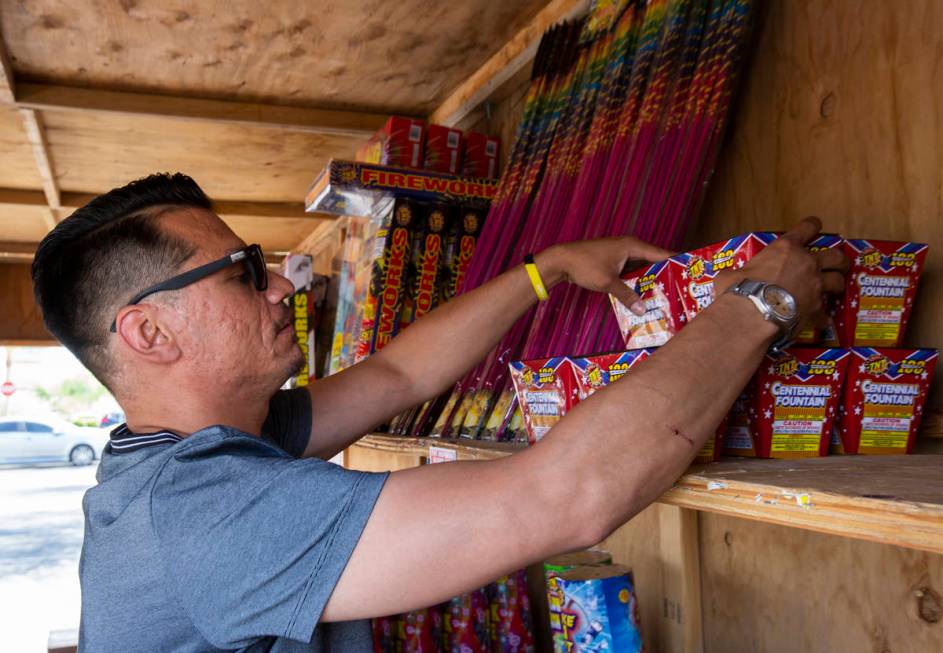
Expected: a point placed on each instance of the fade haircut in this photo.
(95, 260)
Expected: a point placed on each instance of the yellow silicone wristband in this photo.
(535, 280)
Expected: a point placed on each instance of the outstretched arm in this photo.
(430, 356)
(440, 530)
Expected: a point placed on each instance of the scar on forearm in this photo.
(678, 434)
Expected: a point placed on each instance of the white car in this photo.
(32, 440)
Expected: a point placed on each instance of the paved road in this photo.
(40, 542)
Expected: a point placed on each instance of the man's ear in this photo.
(141, 328)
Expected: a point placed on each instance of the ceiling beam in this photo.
(505, 63)
(17, 252)
(36, 135)
(14, 252)
(6, 75)
(48, 97)
(71, 201)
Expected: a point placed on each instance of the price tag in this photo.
(441, 455)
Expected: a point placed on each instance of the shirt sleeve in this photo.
(254, 541)
(288, 423)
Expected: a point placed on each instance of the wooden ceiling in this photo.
(249, 98)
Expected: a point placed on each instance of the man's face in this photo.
(233, 336)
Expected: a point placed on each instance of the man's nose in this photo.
(278, 288)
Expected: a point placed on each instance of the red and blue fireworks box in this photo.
(882, 285)
(885, 394)
(796, 398)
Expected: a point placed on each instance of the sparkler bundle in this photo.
(621, 127)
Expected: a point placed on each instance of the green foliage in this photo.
(73, 396)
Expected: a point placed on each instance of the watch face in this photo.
(780, 301)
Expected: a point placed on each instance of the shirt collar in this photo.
(124, 441)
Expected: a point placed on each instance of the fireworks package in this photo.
(310, 292)
(399, 142)
(460, 246)
(884, 397)
(545, 390)
(509, 620)
(676, 290)
(481, 155)
(390, 257)
(740, 424)
(881, 288)
(466, 623)
(422, 281)
(796, 397)
(443, 149)
(548, 388)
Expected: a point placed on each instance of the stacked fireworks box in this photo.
(591, 604)
(408, 247)
(305, 304)
(846, 386)
(410, 143)
(494, 619)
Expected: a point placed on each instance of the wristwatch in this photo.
(775, 304)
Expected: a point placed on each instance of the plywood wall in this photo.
(841, 116)
(20, 319)
(777, 590)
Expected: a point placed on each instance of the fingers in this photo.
(832, 259)
(639, 249)
(804, 231)
(626, 296)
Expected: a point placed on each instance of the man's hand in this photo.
(787, 263)
(597, 265)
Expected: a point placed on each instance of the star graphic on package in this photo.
(836, 376)
(767, 414)
(684, 274)
(861, 368)
(766, 386)
(914, 268)
(660, 286)
(923, 375)
(858, 383)
(853, 303)
(857, 410)
(771, 369)
(739, 264)
(918, 409)
(682, 318)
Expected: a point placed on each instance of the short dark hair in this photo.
(97, 258)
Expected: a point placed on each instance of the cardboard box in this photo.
(796, 398)
(443, 149)
(676, 290)
(399, 142)
(884, 397)
(545, 389)
(480, 158)
(881, 288)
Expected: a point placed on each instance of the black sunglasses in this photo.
(252, 256)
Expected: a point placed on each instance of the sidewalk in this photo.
(40, 542)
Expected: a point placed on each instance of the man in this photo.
(217, 525)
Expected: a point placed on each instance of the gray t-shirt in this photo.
(221, 541)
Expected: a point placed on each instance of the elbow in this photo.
(594, 513)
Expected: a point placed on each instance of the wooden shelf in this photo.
(890, 499)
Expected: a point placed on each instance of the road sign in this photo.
(7, 388)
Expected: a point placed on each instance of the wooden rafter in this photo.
(505, 63)
(14, 252)
(36, 135)
(6, 75)
(300, 119)
(17, 252)
(71, 201)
